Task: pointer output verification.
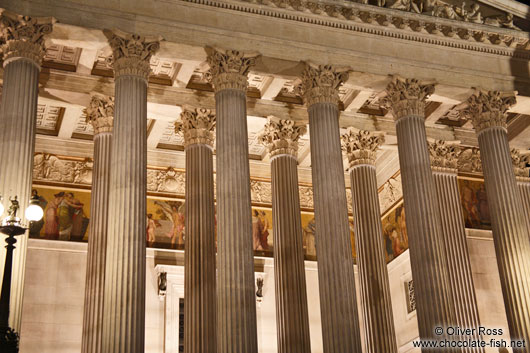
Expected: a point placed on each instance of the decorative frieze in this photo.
(361, 146)
(229, 68)
(321, 83)
(390, 193)
(281, 136)
(488, 108)
(444, 156)
(197, 126)
(100, 113)
(52, 168)
(23, 36)
(406, 97)
(131, 52)
(168, 180)
(392, 23)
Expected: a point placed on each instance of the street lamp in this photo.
(12, 226)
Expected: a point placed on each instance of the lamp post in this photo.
(12, 226)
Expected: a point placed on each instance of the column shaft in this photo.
(18, 124)
(124, 322)
(289, 270)
(458, 264)
(434, 300)
(338, 299)
(200, 335)
(236, 301)
(373, 275)
(97, 246)
(510, 230)
(524, 188)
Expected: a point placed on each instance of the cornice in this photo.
(386, 22)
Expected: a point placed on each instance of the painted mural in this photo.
(395, 235)
(474, 203)
(66, 214)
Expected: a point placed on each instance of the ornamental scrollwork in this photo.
(488, 109)
(229, 68)
(321, 83)
(361, 146)
(281, 136)
(100, 113)
(406, 96)
(444, 156)
(23, 36)
(197, 126)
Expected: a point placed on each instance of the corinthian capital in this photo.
(281, 136)
(405, 97)
(131, 52)
(520, 161)
(321, 83)
(361, 147)
(488, 108)
(23, 36)
(100, 113)
(229, 68)
(444, 156)
(197, 126)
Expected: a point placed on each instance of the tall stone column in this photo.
(523, 179)
(124, 305)
(444, 160)
(281, 138)
(510, 232)
(23, 50)
(361, 149)
(100, 113)
(236, 301)
(338, 299)
(200, 335)
(435, 307)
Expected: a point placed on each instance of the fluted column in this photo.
(23, 50)
(100, 114)
(444, 160)
(435, 307)
(200, 334)
(236, 301)
(523, 179)
(281, 138)
(361, 149)
(124, 305)
(338, 302)
(510, 232)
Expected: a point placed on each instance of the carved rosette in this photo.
(444, 156)
(321, 83)
(361, 147)
(23, 36)
(100, 113)
(229, 68)
(487, 109)
(406, 97)
(197, 126)
(281, 136)
(131, 52)
(520, 161)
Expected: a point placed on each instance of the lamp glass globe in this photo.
(34, 213)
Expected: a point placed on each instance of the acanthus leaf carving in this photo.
(469, 160)
(131, 53)
(361, 146)
(100, 113)
(520, 162)
(487, 109)
(281, 136)
(197, 126)
(444, 156)
(321, 83)
(405, 97)
(229, 68)
(23, 36)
